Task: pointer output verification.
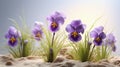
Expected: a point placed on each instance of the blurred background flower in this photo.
(12, 35)
(37, 31)
(98, 35)
(110, 41)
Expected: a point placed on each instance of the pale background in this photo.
(38, 10)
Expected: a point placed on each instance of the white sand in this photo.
(37, 62)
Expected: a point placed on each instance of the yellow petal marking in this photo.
(54, 24)
(75, 34)
(12, 39)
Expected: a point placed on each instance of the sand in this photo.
(35, 61)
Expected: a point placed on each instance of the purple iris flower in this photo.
(55, 20)
(98, 35)
(37, 31)
(12, 36)
(110, 40)
(75, 28)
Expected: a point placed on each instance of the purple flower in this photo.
(55, 20)
(110, 40)
(74, 29)
(98, 35)
(37, 31)
(12, 36)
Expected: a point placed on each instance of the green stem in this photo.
(50, 58)
(91, 52)
(104, 51)
(51, 52)
(20, 47)
(53, 38)
(24, 46)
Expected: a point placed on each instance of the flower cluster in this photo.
(20, 44)
(84, 50)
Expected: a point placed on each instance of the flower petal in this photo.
(102, 35)
(93, 34)
(98, 43)
(99, 29)
(54, 29)
(7, 35)
(35, 30)
(12, 44)
(12, 31)
(69, 28)
(50, 19)
(75, 39)
(80, 28)
(38, 24)
(111, 37)
(76, 23)
(59, 20)
(57, 17)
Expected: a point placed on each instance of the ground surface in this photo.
(7, 61)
